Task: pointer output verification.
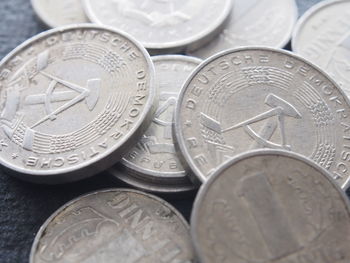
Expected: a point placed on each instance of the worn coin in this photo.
(73, 100)
(258, 97)
(255, 22)
(163, 25)
(115, 225)
(153, 164)
(323, 36)
(58, 13)
(271, 207)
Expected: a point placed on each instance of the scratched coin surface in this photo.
(290, 211)
(163, 25)
(58, 13)
(254, 22)
(258, 97)
(153, 164)
(115, 225)
(323, 36)
(72, 102)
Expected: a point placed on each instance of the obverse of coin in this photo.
(262, 98)
(116, 225)
(73, 100)
(58, 13)
(271, 207)
(163, 26)
(153, 164)
(323, 36)
(255, 22)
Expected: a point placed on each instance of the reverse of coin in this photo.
(323, 36)
(114, 225)
(72, 102)
(163, 26)
(289, 212)
(59, 13)
(262, 98)
(255, 22)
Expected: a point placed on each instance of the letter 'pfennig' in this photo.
(153, 164)
(271, 206)
(258, 97)
(255, 22)
(166, 25)
(58, 13)
(115, 225)
(73, 100)
(322, 36)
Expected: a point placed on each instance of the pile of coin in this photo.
(264, 131)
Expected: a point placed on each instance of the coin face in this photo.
(72, 101)
(58, 13)
(114, 225)
(170, 25)
(323, 36)
(257, 97)
(289, 212)
(253, 22)
(153, 163)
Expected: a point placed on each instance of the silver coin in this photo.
(115, 225)
(255, 22)
(58, 13)
(271, 207)
(73, 100)
(163, 25)
(258, 97)
(153, 164)
(322, 36)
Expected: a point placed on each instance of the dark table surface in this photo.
(23, 206)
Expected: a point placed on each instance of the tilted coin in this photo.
(271, 207)
(255, 22)
(166, 25)
(115, 225)
(322, 36)
(258, 97)
(58, 13)
(153, 164)
(73, 100)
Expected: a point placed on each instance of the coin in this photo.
(289, 211)
(259, 97)
(153, 164)
(115, 225)
(255, 22)
(58, 13)
(165, 26)
(322, 36)
(73, 100)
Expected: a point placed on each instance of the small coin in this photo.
(115, 225)
(323, 36)
(153, 164)
(163, 26)
(271, 206)
(58, 13)
(72, 102)
(258, 97)
(255, 22)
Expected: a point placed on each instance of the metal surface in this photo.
(72, 102)
(165, 26)
(55, 13)
(323, 36)
(254, 22)
(116, 225)
(271, 206)
(262, 98)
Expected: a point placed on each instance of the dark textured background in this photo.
(24, 206)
